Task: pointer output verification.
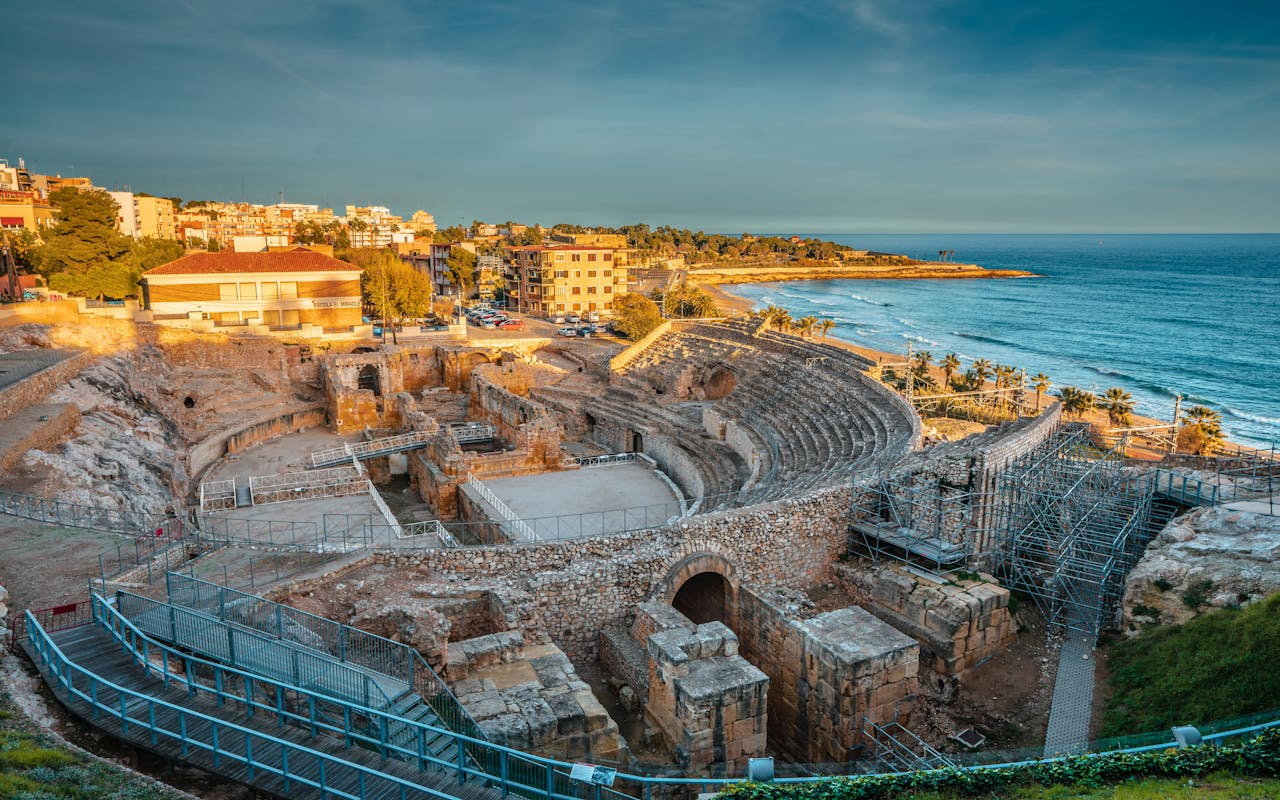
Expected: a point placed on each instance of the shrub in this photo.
(1162, 584)
(1197, 595)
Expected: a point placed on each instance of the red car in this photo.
(511, 324)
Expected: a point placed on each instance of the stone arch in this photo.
(701, 576)
(719, 382)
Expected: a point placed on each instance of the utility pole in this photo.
(911, 375)
(1177, 421)
(10, 271)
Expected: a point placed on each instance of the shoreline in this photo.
(919, 270)
(736, 304)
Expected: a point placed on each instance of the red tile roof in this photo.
(226, 262)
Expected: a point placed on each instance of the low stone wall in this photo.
(958, 624)
(577, 587)
(32, 434)
(234, 440)
(47, 313)
(36, 387)
(624, 359)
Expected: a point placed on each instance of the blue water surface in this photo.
(1157, 314)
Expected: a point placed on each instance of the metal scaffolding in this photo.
(916, 518)
(1070, 523)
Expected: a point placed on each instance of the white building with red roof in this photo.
(296, 289)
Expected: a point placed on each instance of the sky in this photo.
(734, 115)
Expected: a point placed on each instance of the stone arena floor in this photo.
(589, 501)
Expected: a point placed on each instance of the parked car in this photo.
(558, 319)
(574, 319)
(567, 332)
(511, 324)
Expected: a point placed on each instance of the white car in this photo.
(567, 332)
(574, 319)
(558, 319)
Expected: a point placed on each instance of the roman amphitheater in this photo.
(456, 568)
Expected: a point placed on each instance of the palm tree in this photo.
(950, 363)
(1209, 424)
(704, 305)
(805, 324)
(1041, 383)
(825, 326)
(1075, 402)
(1118, 404)
(981, 369)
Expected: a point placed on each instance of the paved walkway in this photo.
(1072, 708)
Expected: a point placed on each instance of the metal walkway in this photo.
(216, 731)
(464, 433)
(1072, 709)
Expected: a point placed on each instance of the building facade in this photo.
(279, 289)
(549, 280)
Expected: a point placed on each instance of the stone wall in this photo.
(577, 587)
(827, 673)
(29, 433)
(499, 396)
(36, 387)
(234, 440)
(397, 369)
(47, 313)
(958, 623)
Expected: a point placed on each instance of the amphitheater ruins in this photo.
(717, 544)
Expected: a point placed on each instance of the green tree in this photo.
(83, 253)
(950, 364)
(23, 244)
(1119, 406)
(825, 326)
(1075, 402)
(461, 265)
(393, 289)
(1201, 433)
(1041, 383)
(634, 315)
(454, 233)
(981, 369)
(806, 324)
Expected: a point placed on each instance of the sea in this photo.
(1158, 315)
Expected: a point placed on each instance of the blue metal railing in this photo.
(261, 655)
(149, 714)
(510, 770)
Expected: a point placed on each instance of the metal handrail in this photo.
(371, 448)
(347, 644)
(62, 669)
(553, 770)
(522, 528)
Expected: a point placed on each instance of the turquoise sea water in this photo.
(1197, 315)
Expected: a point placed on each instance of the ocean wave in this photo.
(977, 337)
(904, 321)
(1272, 422)
(824, 302)
(868, 300)
(920, 339)
(1112, 373)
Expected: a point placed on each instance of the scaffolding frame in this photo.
(1070, 524)
(916, 518)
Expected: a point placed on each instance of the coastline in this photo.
(919, 270)
(736, 304)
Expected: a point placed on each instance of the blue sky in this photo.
(854, 116)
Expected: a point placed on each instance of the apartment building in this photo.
(23, 209)
(155, 217)
(547, 280)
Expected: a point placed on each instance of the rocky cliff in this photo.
(1209, 558)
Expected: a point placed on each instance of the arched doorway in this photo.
(368, 379)
(703, 598)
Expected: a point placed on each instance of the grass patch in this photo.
(1217, 666)
(1221, 786)
(34, 766)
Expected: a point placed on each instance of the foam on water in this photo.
(1159, 315)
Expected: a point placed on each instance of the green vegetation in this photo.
(689, 301)
(1115, 775)
(1076, 402)
(83, 253)
(634, 315)
(461, 264)
(1217, 666)
(1219, 786)
(35, 767)
(700, 247)
(395, 290)
(1201, 431)
(1119, 406)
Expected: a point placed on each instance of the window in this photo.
(270, 291)
(591, 273)
(591, 256)
(248, 291)
(591, 307)
(591, 290)
(577, 257)
(577, 273)
(608, 256)
(577, 290)
(227, 291)
(289, 290)
(290, 317)
(608, 273)
(559, 306)
(562, 273)
(559, 256)
(577, 306)
(608, 290)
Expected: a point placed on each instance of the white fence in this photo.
(512, 524)
(286, 486)
(217, 495)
